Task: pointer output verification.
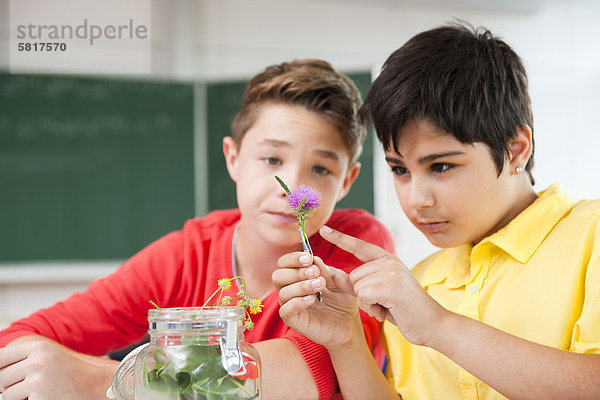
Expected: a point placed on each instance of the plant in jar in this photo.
(192, 366)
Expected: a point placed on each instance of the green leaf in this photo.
(192, 371)
(184, 380)
(283, 185)
(299, 210)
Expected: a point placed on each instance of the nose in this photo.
(280, 191)
(292, 178)
(420, 194)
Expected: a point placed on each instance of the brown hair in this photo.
(312, 84)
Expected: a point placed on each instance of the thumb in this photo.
(335, 278)
(374, 310)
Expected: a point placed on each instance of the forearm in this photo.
(515, 367)
(359, 376)
(285, 374)
(99, 361)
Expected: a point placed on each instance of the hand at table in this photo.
(40, 370)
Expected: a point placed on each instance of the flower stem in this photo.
(241, 386)
(155, 305)
(211, 296)
(305, 242)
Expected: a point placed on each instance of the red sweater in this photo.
(181, 269)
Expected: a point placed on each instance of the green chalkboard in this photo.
(92, 168)
(223, 101)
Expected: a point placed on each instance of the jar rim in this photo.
(195, 314)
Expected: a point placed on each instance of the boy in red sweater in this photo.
(298, 121)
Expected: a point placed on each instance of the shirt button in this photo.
(472, 288)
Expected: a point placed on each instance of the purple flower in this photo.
(303, 201)
(312, 196)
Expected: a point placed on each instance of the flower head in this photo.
(250, 305)
(255, 306)
(304, 199)
(224, 283)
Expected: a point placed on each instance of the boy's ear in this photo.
(230, 151)
(349, 179)
(521, 147)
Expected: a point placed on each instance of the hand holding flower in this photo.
(332, 323)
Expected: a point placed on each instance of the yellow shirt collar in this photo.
(524, 234)
(519, 238)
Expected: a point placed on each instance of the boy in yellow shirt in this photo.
(511, 306)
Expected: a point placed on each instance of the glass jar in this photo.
(193, 354)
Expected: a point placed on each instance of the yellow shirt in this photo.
(537, 278)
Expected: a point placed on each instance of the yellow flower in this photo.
(224, 283)
(251, 306)
(255, 306)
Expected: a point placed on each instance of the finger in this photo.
(288, 276)
(293, 267)
(324, 270)
(11, 376)
(374, 310)
(386, 268)
(343, 283)
(375, 294)
(360, 249)
(338, 279)
(300, 289)
(18, 391)
(13, 354)
(335, 278)
(290, 310)
(296, 259)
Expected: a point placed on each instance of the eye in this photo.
(320, 170)
(272, 161)
(398, 170)
(441, 167)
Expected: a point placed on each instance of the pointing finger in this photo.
(360, 249)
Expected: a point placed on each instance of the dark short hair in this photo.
(312, 84)
(465, 80)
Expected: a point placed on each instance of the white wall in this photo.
(224, 39)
